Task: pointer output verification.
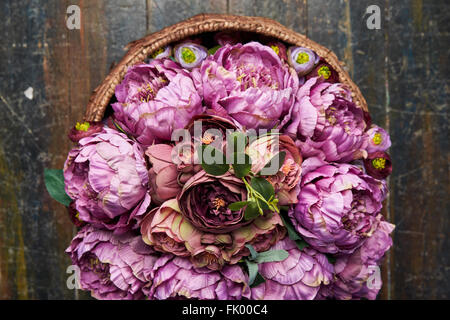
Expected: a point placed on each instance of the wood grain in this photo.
(402, 70)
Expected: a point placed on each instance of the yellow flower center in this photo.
(302, 58)
(377, 138)
(187, 55)
(207, 138)
(157, 52)
(276, 49)
(379, 163)
(82, 126)
(218, 203)
(324, 71)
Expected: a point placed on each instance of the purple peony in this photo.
(358, 275)
(112, 267)
(154, 99)
(298, 277)
(176, 278)
(326, 123)
(338, 206)
(249, 83)
(107, 178)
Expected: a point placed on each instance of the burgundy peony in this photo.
(338, 206)
(378, 165)
(154, 99)
(204, 202)
(106, 177)
(84, 129)
(112, 267)
(249, 83)
(324, 71)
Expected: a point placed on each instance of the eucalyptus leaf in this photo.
(236, 206)
(241, 164)
(274, 164)
(271, 256)
(252, 211)
(252, 271)
(252, 250)
(54, 182)
(258, 280)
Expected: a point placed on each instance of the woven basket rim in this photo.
(140, 49)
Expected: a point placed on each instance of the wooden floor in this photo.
(402, 69)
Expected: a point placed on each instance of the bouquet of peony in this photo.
(242, 171)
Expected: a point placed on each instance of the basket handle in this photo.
(140, 49)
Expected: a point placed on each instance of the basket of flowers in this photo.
(227, 157)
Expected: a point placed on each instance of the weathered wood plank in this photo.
(418, 113)
(291, 13)
(163, 13)
(63, 66)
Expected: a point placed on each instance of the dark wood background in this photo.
(402, 69)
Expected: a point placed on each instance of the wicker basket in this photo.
(140, 50)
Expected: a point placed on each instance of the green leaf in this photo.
(274, 164)
(252, 211)
(264, 188)
(236, 206)
(241, 169)
(215, 169)
(293, 235)
(331, 259)
(258, 280)
(253, 252)
(252, 271)
(301, 244)
(271, 256)
(54, 182)
(214, 49)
